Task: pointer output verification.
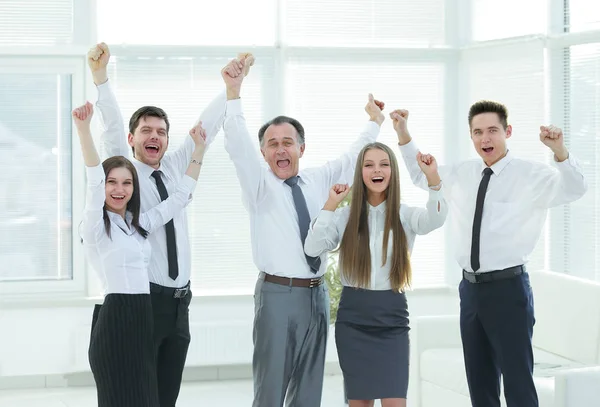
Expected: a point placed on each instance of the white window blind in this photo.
(512, 75)
(218, 223)
(493, 19)
(361, 23)
(580, 240)
(36, 22)
(35, 177)
(328, 97)
(185, 22)
(583, 15)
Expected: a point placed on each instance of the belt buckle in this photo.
(314, 282)
(180, 292)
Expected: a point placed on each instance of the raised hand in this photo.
(97, 58)
(338, 192)
(198, 134)
(82, 116)
(233, 77)
(399, 120)
(553, 138)
(249, 61)
(428, 165)
(374, 109)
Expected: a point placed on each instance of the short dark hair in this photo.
(282, 120)
(489, 106)
(142, 113)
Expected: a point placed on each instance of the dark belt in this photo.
(170, 291)
(294, 282)
(493, 275)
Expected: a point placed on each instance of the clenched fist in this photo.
(552, 137)
(337, 193)
(428, 165)
(198, 134)
(97, 58)
(399, 120)
(374, 108)
(82, 116)
(233, 75)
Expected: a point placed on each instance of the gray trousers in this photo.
(290, 339)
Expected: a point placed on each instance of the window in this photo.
(582, 15)
(493, 20)
(578, 247)
(36, 22)
(35, 177)
(512, 75)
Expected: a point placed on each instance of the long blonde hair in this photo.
(355, 255)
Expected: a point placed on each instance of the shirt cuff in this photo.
(569, 162)
(188, 183)
(104, 86)
(324, 218)
(409, 150)
(436, 195)
(234, 108)
(372, 127)
(95, 175)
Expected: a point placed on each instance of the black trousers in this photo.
(121, 352)
(171, 340)
(496, 324)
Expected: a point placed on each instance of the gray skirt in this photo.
(371, 335)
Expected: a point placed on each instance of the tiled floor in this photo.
(236, 393)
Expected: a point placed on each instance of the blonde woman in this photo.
(375, 234)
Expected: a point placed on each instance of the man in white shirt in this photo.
(159, 174)
(498, 205)
(291, 300)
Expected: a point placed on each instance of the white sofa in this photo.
(566, 349)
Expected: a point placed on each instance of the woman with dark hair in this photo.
(114, 232)
(375, 234)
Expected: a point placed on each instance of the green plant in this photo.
(332, 275)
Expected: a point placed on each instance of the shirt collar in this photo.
(378, 209)
(118, 221)
(302, 177)
(500, 165)
(144, 170)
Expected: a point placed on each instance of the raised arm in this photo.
(114, 137)
(93, 224)
(411, 155)
(240, 146)
(550, 187)
(341, 170)
(325, 233)
(164, 212)
(433, 216)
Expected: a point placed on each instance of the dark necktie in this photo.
(487, 173)
(303, 220)
(169, 228)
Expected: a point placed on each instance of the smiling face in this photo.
(149, 140)
(282, 150)
(376, 171)
(119, 189)
(489, 137)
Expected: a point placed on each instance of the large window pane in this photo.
(583, 15)
(493, 19)
(185, 22)
(328, 97)
(359, 23)
(36, 22)
(35, 177)
(219, 226)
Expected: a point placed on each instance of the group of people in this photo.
(135, 234)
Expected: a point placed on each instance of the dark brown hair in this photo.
(133, 205)
(489, 106)
(282, 120)
(355, 255)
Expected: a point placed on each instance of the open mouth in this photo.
(152, 148)
(118, 197)
(488, 150)
(377, 180)
(283, 163)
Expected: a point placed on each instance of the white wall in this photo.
(44, 338)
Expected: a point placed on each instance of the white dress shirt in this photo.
(121, 260)
(328, 229)
(515, 207)
(276, 243)
(173, 166)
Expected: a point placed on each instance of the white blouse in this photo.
(121, 260)
(328, 228)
